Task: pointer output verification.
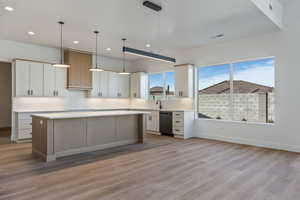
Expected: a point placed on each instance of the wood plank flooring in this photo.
(162, 169)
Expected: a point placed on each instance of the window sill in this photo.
(236, 122)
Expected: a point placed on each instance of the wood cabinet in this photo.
(139, 85)
(184, 80)
(79, 75)
(29, 78)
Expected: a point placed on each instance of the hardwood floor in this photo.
(162, 169)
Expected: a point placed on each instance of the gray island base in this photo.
(57, 135)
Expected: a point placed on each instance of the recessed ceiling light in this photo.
(8, 8)
(148, 45)
(76, 42)
(31, 33)
(108, 49)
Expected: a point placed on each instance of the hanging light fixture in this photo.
(124, 61)
(97, 68)
(61, 64)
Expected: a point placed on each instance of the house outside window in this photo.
(162, 85)
(240, 91)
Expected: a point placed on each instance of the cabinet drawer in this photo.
(25, 124)
(178, 122)
(178, 115)
(178, 131)
(24, 134)
(24, 116)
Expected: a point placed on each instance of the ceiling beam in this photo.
(272, 9)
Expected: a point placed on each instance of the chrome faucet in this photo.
(158, 102)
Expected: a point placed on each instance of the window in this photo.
(161, 85)
(240, 91)
(170, 83)
(214, 92)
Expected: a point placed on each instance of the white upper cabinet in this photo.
(49, 77)
(184, 80)
(54, 81)
(61, 81)
(139, 85)
(103, 84)
(29, 78)
(123, 86)
(118, 85)
(39, 79)
(100, 84)
(95, 84)
(113, 90)
(22, 77)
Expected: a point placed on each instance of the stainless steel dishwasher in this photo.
(166, 123)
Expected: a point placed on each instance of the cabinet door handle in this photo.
(31, 93)
(53, 92)
(28, 92)
(177, 121)
(56, 92)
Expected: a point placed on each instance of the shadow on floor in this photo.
(5, 134)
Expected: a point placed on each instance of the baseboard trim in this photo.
(271, 145)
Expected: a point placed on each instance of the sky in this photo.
(158, 80)
(258, 71)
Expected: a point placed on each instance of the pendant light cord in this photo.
(96, 32)
(61, 41)
(124, 40)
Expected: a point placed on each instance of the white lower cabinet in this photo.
(23, 128)
(183, 124)
(152, 124)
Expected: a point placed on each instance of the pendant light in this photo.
(96, 69)
(124, 61)
(61, 64)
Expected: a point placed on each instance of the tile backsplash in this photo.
(73, 100)
(79, 100)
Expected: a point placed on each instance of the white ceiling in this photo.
(181, 23)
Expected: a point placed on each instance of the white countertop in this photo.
(72, 115)
(94, 110)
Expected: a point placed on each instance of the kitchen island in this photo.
(56, 135)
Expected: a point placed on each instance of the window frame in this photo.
(231, 99)
(164, 96)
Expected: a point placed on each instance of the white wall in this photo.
(284, 46)
(5, 94)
